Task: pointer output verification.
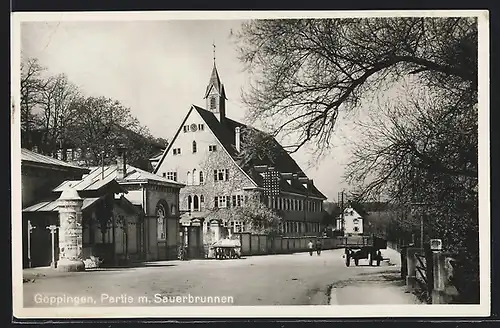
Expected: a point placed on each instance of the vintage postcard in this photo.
(250, 164)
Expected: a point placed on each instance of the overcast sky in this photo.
(158, 69)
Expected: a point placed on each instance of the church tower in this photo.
(215, 96)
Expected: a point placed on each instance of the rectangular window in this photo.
(164, 174)
(176, 151)
(172, 176)
(216, 202)
(239, 200)
(222, 201)
(201, 127)
(221, 175)
(186, 128)
(234, 201)
(238, 226)
(212, 148)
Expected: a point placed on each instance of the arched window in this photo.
(194, 146)
(196, 203)
(213, 102)
(201, 177)
(188, 180)
(195, 177)
(161, 217)
(190, 201)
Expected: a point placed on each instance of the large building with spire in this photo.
(204, 155)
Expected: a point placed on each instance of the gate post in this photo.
(411, 276)
(439, 276)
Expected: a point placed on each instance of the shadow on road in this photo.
(122, 267)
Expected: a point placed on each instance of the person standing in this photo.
(318, 246)
(310, 245)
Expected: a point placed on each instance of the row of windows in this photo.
(288, 204)
(177, 151)
(193, 127)
(232, 225)
(298, 227)
(229, 201)
(195, 202)
(195, 178)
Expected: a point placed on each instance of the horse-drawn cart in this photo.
(363, 247)
(226, 249)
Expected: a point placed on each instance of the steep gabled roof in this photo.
(224, 132)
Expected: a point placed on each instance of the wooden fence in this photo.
(440, 278)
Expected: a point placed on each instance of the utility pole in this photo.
(53, 229)
(341, 201)
(102, 163)
(30, 230)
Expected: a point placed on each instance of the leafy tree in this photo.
(257, 217)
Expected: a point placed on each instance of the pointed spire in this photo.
(216, 83)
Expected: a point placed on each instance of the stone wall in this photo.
(257, 244)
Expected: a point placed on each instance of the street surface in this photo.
(291, 279)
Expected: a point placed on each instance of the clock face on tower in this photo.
(193, 127)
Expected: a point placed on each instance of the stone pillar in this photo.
(70, 231)
(439, 276)
(197, 225)
(411, 277)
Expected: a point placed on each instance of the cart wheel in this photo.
(356, 261)
(347, 261)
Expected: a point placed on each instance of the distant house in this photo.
(352, 224)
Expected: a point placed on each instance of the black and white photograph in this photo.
(250, 164)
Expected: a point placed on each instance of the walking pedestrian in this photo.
(318, 246)
(310, 245)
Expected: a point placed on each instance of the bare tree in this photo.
(100, 124)
(32, 86)
(57, 106)
(308, 70)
